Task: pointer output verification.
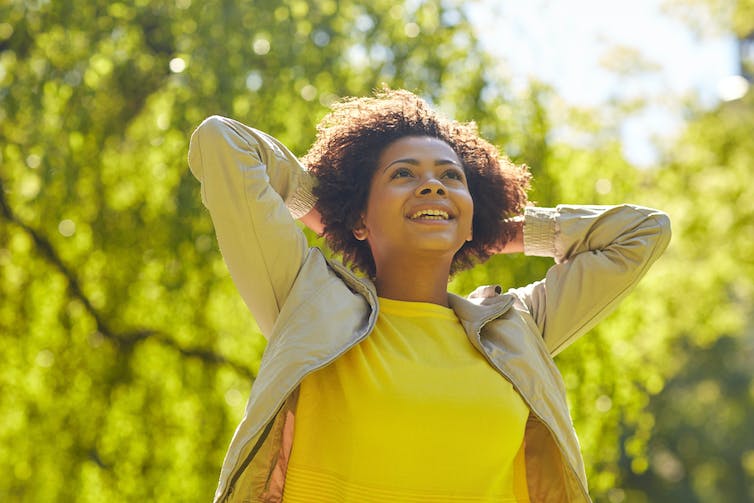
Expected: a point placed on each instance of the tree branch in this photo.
(127, 339)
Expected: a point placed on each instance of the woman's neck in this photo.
(416, 281)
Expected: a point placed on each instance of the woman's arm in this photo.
(313, 220)
(253, 187)
(601, 253)
(515, 245)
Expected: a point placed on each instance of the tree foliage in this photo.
(726, 16)
(701, 447)
(127, 353)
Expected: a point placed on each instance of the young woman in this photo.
(377, 385)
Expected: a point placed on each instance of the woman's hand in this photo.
(313, 220)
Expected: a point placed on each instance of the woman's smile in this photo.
(430, 214)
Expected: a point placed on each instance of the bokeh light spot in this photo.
(254, 81)
(603, 403)
(603, 186)
(67, 227)
(309, 92)
(233, 397)
(177, 65)
(732, 88)
(33, 161)
(321, 38)
(261, 46)
(412, 30)
(45, 358)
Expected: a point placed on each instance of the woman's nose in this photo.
(431, 186)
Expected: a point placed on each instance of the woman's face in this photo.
(419, 201)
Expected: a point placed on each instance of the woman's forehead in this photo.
(418, 147)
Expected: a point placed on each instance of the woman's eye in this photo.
(401, 173)
(453, 174)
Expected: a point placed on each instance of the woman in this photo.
(382, 386)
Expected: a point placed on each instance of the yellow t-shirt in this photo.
(411, 414)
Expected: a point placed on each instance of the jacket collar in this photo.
(482, 305)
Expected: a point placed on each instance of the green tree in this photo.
(700, 446)
(726, 16)
(127, 352)
(127, 355)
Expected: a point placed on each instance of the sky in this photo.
(562, 42)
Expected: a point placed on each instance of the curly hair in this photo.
(344, 156)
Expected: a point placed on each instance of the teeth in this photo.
(430, 215)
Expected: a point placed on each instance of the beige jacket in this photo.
(312, 310)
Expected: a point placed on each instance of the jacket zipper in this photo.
(531, 409)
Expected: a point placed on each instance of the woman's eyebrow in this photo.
(415, 162)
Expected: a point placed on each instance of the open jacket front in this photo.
(313, 310)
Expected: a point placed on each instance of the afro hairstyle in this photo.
(344, 156)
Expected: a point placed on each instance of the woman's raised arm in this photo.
(254, 188)
(601, 253)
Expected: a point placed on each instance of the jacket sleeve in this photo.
(600, 252)
(253, 187)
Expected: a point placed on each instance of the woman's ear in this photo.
(360, 230)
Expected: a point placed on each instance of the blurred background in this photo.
(126, 355)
